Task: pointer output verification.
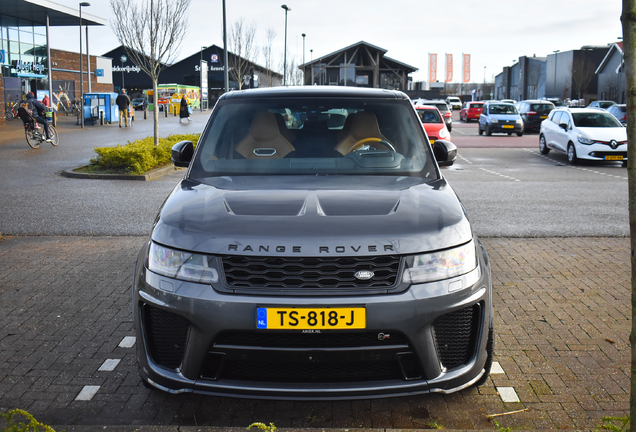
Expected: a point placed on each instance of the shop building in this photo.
(358, 65)
(27, 62)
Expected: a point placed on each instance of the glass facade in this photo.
(24, 60)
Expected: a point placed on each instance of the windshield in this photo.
(541, 107)
(313, 136)
(503, 109)
(475, 106)
(595, 119)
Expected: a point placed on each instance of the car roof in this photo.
(537, 101)
(581, 109)
(315, 92)
(425, 107)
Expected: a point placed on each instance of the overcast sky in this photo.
(494, 32)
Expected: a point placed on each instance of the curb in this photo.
(150, 175)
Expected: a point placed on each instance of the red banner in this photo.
(432, 67)
(466, 68)
(449, 67)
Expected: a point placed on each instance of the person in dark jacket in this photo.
(183, 110)
(123, 102)
(38, 113)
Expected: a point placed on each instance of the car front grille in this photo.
(167, 335)
(456, 334)
(310, 358)
(312, 274)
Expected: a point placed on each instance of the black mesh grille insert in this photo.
(455, 336)
(315, 273)
(315, 340)
(167, 334)
(318, 357)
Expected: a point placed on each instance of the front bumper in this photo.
(192, 338)
(599, 152)
(506, 127)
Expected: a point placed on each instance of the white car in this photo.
(584, 133)
(454, 102)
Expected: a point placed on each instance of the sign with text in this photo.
(432, 67)
(466, 68)
(204, 80)
(449, 67)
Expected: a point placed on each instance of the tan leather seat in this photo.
(264, 140)
(363, 125)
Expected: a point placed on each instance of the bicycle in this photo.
(35, 136)
(12, 113)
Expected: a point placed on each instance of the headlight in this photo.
(585, 140)
(440, 265)
(519, 121)
(180, 265)
(494, 120)
(443, 133)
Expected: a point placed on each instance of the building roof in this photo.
(35, 11)
(615, 47)
(382, 50)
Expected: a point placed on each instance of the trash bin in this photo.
(49, 114)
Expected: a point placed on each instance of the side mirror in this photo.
(445, 152)
(563, 126)
(181, 153)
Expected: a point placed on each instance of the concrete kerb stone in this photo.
(150, 175)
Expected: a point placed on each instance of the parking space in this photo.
(562, 321)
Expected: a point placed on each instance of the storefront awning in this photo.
(35, 11)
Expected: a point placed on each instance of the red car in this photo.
(470, 111)
(433, 123)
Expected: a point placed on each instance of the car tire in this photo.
(488, 131)
(543, 146)
(481, 132)
(509, 133)
(572, 159)
(519, 134)
(490, 349)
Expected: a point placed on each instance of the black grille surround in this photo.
(310, 358)
(167, 335)
(311, 275)
(456, 334)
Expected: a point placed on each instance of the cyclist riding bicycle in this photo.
(37, 112)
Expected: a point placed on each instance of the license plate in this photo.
(288, 318)
(614, 157)
(508, 126)
(544, 117)
(432, 141)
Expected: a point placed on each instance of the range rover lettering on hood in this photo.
(321, 249)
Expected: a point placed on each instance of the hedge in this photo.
(139, 156)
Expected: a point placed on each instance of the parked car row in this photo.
(443, 108)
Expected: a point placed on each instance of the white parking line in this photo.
(464, 159)
(127, 342)
(508, 394)
(499, 174)
(574, 167)
(109, 365)
(87, 393)
(496, 368)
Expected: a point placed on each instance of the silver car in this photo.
(327, 260)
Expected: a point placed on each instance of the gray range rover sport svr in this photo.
(313, 250)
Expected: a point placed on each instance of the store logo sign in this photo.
(3, 56)
(214, 58)
(99, 72)
(28, 66)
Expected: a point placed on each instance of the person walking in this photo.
(184, 111)
(123, 102)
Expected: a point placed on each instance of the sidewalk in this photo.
(562, 323)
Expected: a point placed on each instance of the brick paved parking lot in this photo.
(562, 322)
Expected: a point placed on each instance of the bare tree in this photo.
(582, 74)
(241, 46)
(267, 54)
(535, 79)
(151, 33)
(628, 19)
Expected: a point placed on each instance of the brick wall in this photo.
(65, 66)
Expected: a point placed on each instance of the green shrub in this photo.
(139, 156)
(11, 425)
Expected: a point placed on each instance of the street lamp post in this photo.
(81, 66)
(201, 81)
(88, 62)
(304, 67)
(311, 56)
(484, 89)
(287, 9)
(555, 70)
(123, 59)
